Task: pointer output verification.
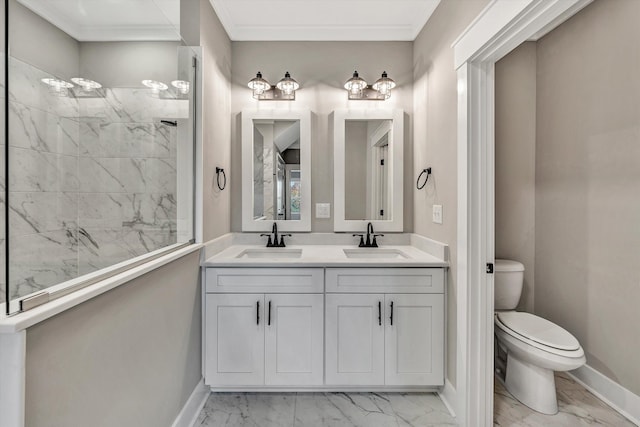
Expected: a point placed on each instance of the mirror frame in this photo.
(340, 223)
(248, 116)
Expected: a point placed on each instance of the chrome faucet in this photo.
(371, 238)
(274, 243)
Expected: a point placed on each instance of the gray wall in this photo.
(37, 42)
(515, 167)
(321, 68)
(435, 132)
(587, 184)
(130, 357)
(126, 64)
(216, 121)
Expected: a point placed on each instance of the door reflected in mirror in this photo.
(276, 170)
(367, 188)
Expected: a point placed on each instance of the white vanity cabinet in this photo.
(323, 328)
(263, 339)
(386, 338)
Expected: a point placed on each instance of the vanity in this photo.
(322, 312)
(324, 317)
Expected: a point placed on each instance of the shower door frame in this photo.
(501, 27)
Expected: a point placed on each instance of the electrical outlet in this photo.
(437, 214)
(323, 210)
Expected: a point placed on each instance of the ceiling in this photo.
(315, 20)
(112, 20)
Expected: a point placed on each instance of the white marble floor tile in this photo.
(248, 410)
(577, 407)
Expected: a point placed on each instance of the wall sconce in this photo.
(285, 90)
(359, 89)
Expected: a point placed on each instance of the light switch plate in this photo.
(437, 214)
(323, 210)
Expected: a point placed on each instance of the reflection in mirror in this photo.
(367, 189)
(368, 169)
(276, 170)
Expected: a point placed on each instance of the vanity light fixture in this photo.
(384, 85)
(155, 86)
(86, 84)
(355, 85)
(359, 89)
(57, 87)
(287, 85)
(181, 86)
(285, 90)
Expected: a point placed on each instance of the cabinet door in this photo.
(234, 339)
(354, 339)
(414, 339)
(294, 339)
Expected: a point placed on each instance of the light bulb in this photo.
(155, 86)
(86, 84)
(182, 86)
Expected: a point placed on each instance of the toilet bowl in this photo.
(535, 347)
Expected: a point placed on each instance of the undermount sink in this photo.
(270, 253)
(374, 253)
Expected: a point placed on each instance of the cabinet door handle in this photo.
(391, 317)
(379, 313)
(269, 317)
(257, 312)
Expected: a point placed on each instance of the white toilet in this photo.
(529, 347)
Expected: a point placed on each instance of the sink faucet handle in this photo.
(282, 236)
(361, 240)
(374, 243)
(269, 242)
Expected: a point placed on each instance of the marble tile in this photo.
(42, 131)
(577, 407)
(325, 410)
(113, 210)
(111, 175)
(248, 409)
(26, 87)
(41, 260)
(39, 212)
(42, 171)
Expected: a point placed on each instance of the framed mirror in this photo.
(368, 186)
(276, 170)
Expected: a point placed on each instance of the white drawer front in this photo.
(273, 280)
(385, 280)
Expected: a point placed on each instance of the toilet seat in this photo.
(538, 332)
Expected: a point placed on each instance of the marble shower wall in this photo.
(92, 180)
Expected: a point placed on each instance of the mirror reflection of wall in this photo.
(276, 169)
(367, 186)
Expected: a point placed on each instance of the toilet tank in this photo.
(508, 281)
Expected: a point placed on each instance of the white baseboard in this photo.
(449, 397)
(609, 391)
(191, 409)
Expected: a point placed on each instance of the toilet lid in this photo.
(539, 330)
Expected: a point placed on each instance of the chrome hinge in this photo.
(489, 268)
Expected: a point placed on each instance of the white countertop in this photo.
(323, 256)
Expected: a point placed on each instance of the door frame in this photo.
(501, 27)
